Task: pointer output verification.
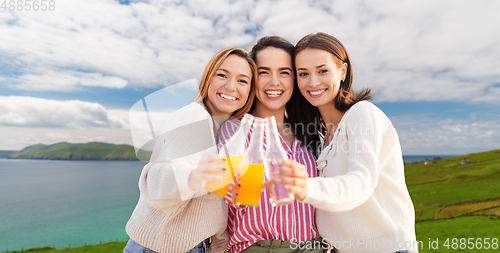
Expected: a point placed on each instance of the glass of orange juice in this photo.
(232, 151)
(251, 184)
(252, 167)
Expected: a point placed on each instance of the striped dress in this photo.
(294, 222)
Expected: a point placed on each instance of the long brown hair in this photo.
(212, 67)
(301, 114)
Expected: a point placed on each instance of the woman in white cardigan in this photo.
(362, 201)
(175, 213)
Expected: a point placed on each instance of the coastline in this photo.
(421, 158)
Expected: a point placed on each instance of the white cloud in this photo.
(67, 81)
(430, 51)
(423, 51)
(29, 120)
(405, 51)
(421, 135)
(72, 114)
(144, 44)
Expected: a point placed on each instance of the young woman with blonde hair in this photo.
(175, 213)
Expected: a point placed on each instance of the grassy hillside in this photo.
(81, 151)
(459, 227)
(447, 189)
(101, 248)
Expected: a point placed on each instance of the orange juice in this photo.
(251, 184)
(220, 188)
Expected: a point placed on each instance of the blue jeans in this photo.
(203, 247)
(134, 247)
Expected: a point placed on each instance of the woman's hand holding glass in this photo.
(237, 186)
(207, 171)
(293, 176)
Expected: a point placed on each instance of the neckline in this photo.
(334, 137)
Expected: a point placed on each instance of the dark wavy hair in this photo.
(301, 114)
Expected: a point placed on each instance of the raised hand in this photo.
(203, 173)
(293, 176)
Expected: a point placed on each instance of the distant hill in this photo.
(79, 151)
(6, 153)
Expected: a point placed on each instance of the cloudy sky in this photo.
(74, 73)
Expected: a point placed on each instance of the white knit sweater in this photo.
(362, 201)
(169, 216)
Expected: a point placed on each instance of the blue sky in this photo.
(74, 73)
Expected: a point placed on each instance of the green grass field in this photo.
(101, 248)
(455, 188)
(445, 188)
(467, 207)
(459, 227)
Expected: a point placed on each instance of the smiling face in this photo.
(319, 76)
(230, 86)
(275, 78)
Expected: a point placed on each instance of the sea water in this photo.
(65, 203)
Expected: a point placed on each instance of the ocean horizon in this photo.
(421, 158)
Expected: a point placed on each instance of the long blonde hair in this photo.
(212, 67)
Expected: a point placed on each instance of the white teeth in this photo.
(227, 96)
(316, 92)
(274, 93)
